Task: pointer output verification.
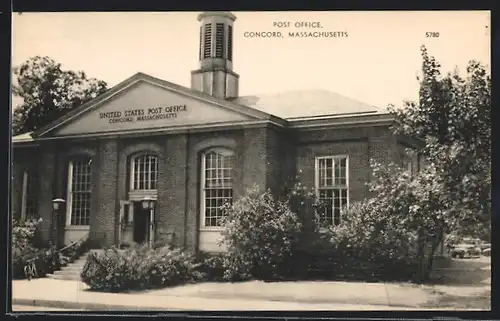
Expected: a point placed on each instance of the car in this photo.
(486, 251)
(485, 246)
(465, 250)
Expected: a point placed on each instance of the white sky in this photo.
(377, 63)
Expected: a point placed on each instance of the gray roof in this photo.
(26, 137)
(292, 105)
(307, 103)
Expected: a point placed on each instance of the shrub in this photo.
(23, 249)
(369, 243)
(23, 233)
(211, 266)
(47, 260)
(259, 234)
(138, 267)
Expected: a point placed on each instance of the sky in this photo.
(377, 63)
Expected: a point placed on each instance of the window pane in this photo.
(340, 171)
(32, 195)
(218, 185)
(331, 175)
(336, 217)
(145, 172)
(81, 187)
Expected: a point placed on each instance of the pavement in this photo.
(308, 292)
(23, 308)
(252, 295)
(317, 296)
(74, 295)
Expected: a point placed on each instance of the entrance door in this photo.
(141, 223)
(125, 229)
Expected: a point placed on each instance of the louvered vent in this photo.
(219, 40)
(201, 43)
(208, 40)
(230, 43)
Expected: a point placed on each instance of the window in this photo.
(410, 166)
(30, 195)
(144, 172)
(219, 40)
(217, 185)
(79, 191)
(207, 44)
(411, 163)
(332, 185)
(230, 43)
(126, 213)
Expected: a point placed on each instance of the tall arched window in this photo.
(144, 172)
(217, 184)
(29, 205)
(79, 191)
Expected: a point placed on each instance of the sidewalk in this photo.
(72, 295)
(380, 294)
(254, 295)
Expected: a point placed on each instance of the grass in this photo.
(481, 301)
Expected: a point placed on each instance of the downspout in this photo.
(186, 193)
(118, 230)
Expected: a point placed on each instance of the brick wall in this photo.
(357, 150)
(171, 211)
(264, 156)
(360, 144)
(16, 186)
(105, 217)
(255, 158)
(281, 157)
(22, 160)
(46, 192)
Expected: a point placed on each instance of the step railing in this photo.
(30, 269)
(81, 240)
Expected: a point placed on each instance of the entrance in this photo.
(141, 223)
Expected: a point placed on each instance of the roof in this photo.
(162, 83)
(281, 107)
(307, 104)
(26, 137)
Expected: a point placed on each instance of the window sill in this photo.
(211, 229)
(77, 227)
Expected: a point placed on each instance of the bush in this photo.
(211, 266)
(23, 233)
(369, 244)
(23, 249)
(260, 234)
(46, 260)
(138, 267)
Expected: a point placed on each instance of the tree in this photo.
(452, 192)
(452, 117)
(48, 92)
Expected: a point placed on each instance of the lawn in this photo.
(481, 301)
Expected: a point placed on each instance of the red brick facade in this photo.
(266, 156)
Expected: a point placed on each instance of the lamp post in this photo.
(57, 204)
(149, 203)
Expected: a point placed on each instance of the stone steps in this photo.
(74, 277)
(72, 271)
